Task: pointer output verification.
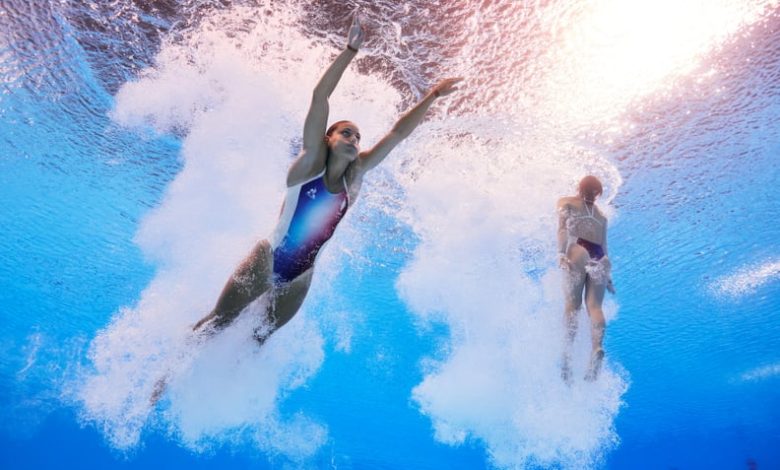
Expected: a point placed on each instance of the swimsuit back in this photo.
(587, 225)
(309, 217)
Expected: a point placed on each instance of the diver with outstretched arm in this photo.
(322, 184)
(582, 254)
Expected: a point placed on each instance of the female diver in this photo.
(322, 184)
(582, 252)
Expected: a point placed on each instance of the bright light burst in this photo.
(618, 50)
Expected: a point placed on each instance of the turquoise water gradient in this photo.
(699, 202)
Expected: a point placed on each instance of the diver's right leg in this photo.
(284, 303)
(573, 294)
(252, 278)
(573, 285)
(594, 297)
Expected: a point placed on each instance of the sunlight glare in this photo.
(621, 50)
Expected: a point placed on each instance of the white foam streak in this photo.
(761, 373)
(746, 280)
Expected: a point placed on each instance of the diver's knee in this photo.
(204, 322)
(219, 318)
(573, 306)
(594, 308)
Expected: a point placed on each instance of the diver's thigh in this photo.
(578, 257)
(574, 277)
(573, 283)
(594, 293)
(288, 299)
(249, 281)
(256, 268)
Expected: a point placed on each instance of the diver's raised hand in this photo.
(445, 87)
(356, 34)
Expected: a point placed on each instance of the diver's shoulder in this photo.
(567, 202)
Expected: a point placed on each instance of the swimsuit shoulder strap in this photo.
(592, 213)
(589, 209)
(346, 188)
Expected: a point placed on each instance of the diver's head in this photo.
(590, 188)
(343, 140)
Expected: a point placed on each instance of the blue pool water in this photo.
(145, 147)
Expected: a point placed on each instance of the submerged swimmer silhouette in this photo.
(322, 183)
(582, 253)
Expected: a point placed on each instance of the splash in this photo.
(478, 188)
(485, 269)
(217, 85)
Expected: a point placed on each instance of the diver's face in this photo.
(345, 140)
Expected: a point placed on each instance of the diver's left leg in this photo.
(594, 297)
(285, 302)
(573, 286)
(250, 280)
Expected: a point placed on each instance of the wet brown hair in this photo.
(590, 188)
(334, 126)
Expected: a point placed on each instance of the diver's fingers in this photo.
(356, 32)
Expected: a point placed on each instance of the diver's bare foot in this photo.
(566, 369)
(595, 365)
(159, 389)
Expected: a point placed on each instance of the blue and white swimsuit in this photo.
(309, 217)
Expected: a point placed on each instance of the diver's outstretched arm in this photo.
(406, 124)
(313, 153)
